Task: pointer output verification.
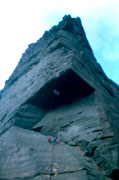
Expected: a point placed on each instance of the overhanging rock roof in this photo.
(61, 58)
(69, 85)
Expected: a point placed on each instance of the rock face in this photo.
(58, 89)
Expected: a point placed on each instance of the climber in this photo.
(54, 140)
(86, 153)
(56, 92)
(49, 140)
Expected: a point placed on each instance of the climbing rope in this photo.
(51, 104)
(49, 151)
(55, 93)
(52, 158)
(49, 170)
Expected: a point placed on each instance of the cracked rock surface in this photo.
(59, 89)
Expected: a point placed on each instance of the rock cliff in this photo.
(59, 89)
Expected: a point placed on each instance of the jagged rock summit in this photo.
(59, 89)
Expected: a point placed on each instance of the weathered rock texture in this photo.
(84, 115)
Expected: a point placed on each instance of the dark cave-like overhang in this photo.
(70, 87)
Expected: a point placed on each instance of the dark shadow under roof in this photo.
(70, 87)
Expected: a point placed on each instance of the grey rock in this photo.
(59, 89)
(28, 155)
(28, 115)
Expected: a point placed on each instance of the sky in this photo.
(23, 22)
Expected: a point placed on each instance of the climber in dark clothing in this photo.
(55, 139)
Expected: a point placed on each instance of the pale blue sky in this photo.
(24, 21)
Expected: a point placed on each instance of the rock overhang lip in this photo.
(68, 84)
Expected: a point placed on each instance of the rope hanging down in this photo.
(56, 93)
(49, 151)
(49, 170)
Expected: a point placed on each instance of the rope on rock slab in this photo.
(49, 170)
